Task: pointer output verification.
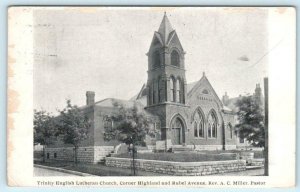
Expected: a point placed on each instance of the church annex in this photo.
(187, 115)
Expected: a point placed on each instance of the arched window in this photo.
(154, 92)
(172, 89)
(178, 91)
(209, 130)
(160, 90)
(195, 129)
(181, 92)
(175, 60)
(198, 120)
(201, 128)
(212, 125)
(156, 59)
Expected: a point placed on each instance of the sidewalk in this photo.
(76, 173)
(251, 172)
(88, 170)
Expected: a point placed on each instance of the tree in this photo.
(73, 126)
(44, 128)
(251, 120)
(131, 125)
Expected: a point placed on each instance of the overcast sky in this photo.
(103, 50)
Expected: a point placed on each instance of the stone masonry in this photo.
(179, 168)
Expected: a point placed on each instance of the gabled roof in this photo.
(142, 95)
(110, 102)
(200, 83)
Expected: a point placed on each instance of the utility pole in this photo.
(266, 126)
(133, 160)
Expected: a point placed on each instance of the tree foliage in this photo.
(131, 125)
(73, 125)
(44, 127)
(251, 120)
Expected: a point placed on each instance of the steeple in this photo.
(165, 29)
(166, 75)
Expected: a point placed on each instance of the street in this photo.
(47, 172)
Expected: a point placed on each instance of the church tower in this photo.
(166, 85)
(166, 74)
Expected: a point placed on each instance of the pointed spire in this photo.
(165, 28)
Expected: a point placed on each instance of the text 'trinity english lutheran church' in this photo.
(186, 115)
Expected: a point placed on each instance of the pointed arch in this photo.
(175, 58)
(213, 111)
(197, 110)
(198, 117)
(177, 115)
(178, 127)
(212, 127)
(156, 59)
(172, 89)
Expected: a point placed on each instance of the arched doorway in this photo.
(177, 131)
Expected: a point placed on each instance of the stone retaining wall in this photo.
(257, 162)
(179, 168)
(208, 147)
(92, 154)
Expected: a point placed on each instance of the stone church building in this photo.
(187, 115)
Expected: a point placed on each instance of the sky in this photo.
(104, 50)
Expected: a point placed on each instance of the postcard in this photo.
(168, 97)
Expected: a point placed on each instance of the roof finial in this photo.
(165, 13)
(203, 74)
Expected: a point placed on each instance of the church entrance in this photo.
(176, 136)
(177, 132)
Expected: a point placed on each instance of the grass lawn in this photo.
(181, 157)
(97, 169)
(191, 156)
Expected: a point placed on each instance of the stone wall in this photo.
(230, 147)
(92, 154)
(208, 147)
(256, 162)
(179, 168)
(100, 152)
